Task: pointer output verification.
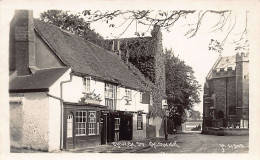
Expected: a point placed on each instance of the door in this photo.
(69, 131)
(103, 129)
(126, 127)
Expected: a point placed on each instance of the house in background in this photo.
(146, 54)
(226, 94)
(66, 92)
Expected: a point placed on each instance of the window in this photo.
(69, 125)
(128, 94)
(139, 122)
(141, 97)
(81, 123)
(110, 96)
(86, 84)
(91, 122)
(97, 127)
(117, 123)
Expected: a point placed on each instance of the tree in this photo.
(79, 23)
(194, 115)
(226, 20)
(182, 89)
(73, 23)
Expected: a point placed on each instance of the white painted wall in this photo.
(157, 122)
(136, 105)
(73, 91)
(54, 124)
(139, 134)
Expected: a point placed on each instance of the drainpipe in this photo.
(226, 100)
(62, 110)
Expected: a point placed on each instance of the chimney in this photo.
(24, 42)
(118, 49)
(156, 29)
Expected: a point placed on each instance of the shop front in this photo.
(82, 125)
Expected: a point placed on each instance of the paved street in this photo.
(193, 142)
(199, 143)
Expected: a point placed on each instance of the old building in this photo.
(226, 93)
(66, 92)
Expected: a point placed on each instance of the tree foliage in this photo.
(71, 22)
(80, 23)
(195, 115)
(182, 89)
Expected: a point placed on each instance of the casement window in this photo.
(86, 84)
(141, 97)
(139, 122)
(128, 94)
(92, 122)
(81, 123)
(110, 95)
(117, 123)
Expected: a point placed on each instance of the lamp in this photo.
(165, 108)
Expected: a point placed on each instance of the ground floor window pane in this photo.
(92, 123)
(81, 123)
(140, 122)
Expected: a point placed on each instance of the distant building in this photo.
(226, 93)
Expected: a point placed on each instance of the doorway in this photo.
(69, 131)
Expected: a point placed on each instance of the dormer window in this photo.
(128, 94)
(86, 84)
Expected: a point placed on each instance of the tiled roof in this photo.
(87, 58)
(41, 80)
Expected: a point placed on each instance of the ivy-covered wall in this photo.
(146, 54)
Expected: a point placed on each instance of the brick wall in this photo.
(22, 42)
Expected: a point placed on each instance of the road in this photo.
(200, 143)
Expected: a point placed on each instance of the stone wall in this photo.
(36, 121)
(226, 131)
(16, 125)
(225, 90)
(29, 122)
